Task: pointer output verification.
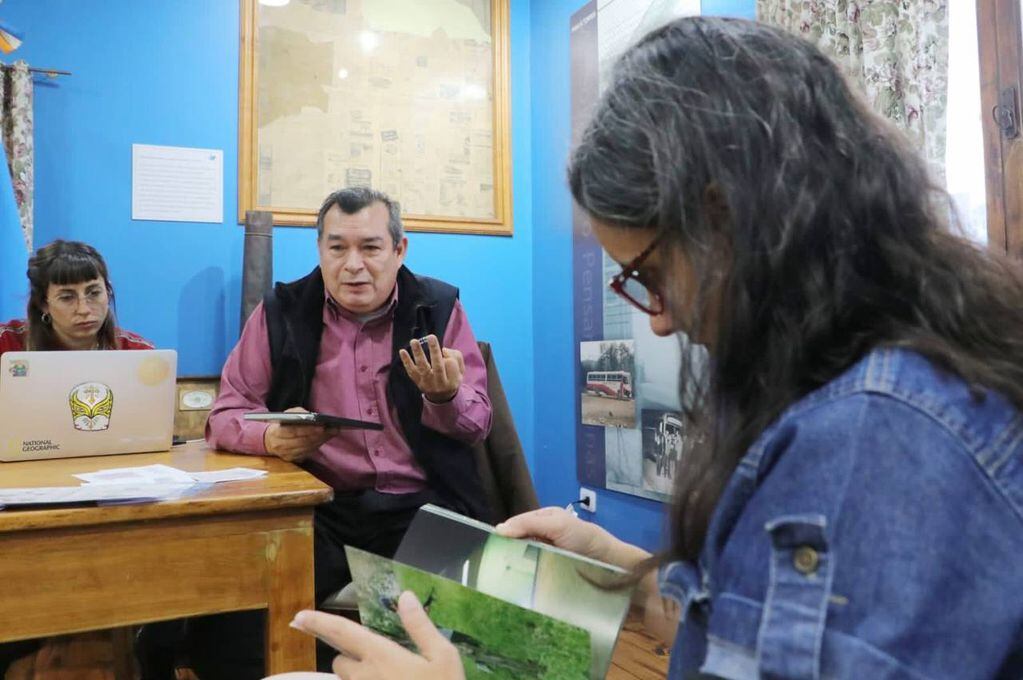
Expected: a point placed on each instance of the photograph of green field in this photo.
(541, 578)
(496, 640)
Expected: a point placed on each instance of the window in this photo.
(964, 141)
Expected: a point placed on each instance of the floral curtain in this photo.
(895, 50)
(16, 130)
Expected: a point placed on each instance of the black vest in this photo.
(294, 321)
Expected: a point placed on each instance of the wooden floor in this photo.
(638, 656)
(93, 657)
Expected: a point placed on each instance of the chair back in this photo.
(500, 460)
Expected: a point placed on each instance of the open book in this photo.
(513, 608)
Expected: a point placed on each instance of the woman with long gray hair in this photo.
(856, 510)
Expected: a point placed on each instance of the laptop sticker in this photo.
(92, 405)
(153, 371)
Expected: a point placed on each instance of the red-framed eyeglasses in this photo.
(629, 284)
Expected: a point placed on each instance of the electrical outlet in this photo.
(588, 498)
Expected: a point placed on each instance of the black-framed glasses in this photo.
(629, 284)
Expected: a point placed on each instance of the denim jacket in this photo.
(875, 530)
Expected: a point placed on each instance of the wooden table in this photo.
(232, 546)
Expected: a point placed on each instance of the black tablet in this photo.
(304, 418)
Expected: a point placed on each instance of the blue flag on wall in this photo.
(13, 253)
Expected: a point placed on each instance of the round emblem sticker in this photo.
(153, 371)
(196, 399)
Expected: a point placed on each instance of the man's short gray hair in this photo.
(354, 199)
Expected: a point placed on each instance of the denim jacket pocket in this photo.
(792, 625)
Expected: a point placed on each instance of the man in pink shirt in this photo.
(345, 340)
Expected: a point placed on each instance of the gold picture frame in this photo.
(252, 195)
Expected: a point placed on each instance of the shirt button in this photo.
(376, 452)
(363, 368)
(805, 560)
(370, 410)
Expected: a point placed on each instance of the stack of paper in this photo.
(165, 474)
(92, 493)
(141, 484)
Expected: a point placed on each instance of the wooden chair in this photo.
(500, 460)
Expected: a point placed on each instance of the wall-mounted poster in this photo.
(631, 435)
(409, 97)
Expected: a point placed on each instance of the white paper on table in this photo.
(143, 474)
(229, 475)
(92, 493)
(170, 492)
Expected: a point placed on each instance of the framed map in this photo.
(406, 96)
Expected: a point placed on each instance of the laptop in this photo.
(97, 403)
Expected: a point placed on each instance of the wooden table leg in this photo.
(290, 583)
(122, 642)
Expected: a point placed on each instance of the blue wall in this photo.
(633, 519)
(167, 73)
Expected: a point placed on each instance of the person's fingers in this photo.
(345, 668)
(317, 442)
(304, 433)
(458, 357)
(545, 523)
(420, 628)
(408, 363)
(309, 446)
(436, 357)
(348, 637)
(293, 456)
(298, 442)
(296, 409)
(422, 362)
(293, 431)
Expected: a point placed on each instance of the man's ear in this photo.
(402, 248)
